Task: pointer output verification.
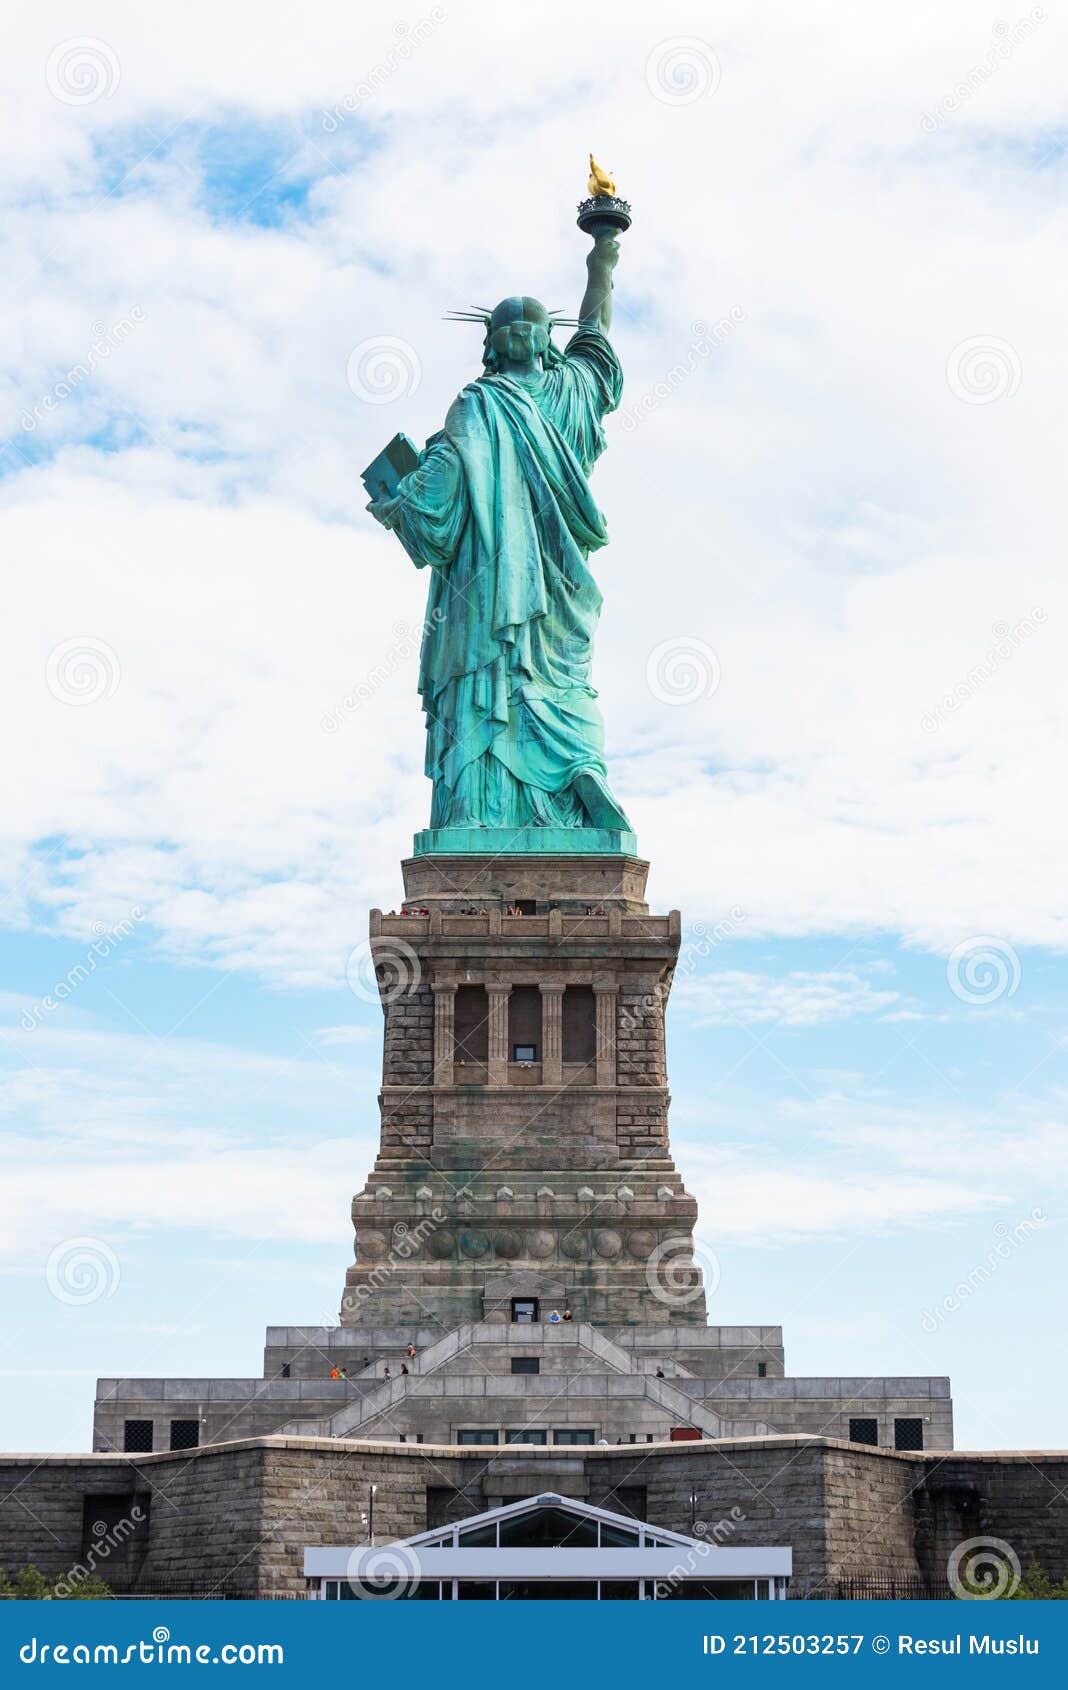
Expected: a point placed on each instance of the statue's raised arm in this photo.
(604, 216)
(595, 312)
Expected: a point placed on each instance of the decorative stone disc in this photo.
(442, 1245)
(607, 1243)
(641, 1245)
(371, 1246)
(474, 1244)
(576, 1246)
(541, 1244)
(508, 1244)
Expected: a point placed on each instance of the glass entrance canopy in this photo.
(547, 1547)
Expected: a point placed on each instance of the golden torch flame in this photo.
(600, 181)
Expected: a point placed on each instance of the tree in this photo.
(1037, 1586)
(30, 1585)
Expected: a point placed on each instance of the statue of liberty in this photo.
(498, 507)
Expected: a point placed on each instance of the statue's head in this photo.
(518, 329)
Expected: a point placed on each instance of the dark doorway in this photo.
(524, 1024)
(471, 1028)
(580, 1024)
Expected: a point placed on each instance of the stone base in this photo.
(523, 841)
(571, 880)
(624, 1384)
(236, 1518)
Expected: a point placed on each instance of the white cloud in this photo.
(344, 1035)
(814, 502)
(841, 1167)
(798, 999)
(112, 1135)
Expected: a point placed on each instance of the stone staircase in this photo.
(357, 1416)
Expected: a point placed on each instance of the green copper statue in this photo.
(499, 507)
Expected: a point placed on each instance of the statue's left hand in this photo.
(605, 250)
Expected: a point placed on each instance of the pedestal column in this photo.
(497, 1031)
(605, 997)
(444, 1031)
(552, 1033)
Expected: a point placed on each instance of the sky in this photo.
(830, 661)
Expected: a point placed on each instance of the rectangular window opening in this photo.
(471, 1024)
(137, 1437)
(185, 1434)
(524, 1023)
(579, 1024)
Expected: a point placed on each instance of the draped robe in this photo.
(499, 508)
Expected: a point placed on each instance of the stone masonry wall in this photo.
(640, 1034)
(408, 1061)
(241, 1515)
(1019, 1498)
